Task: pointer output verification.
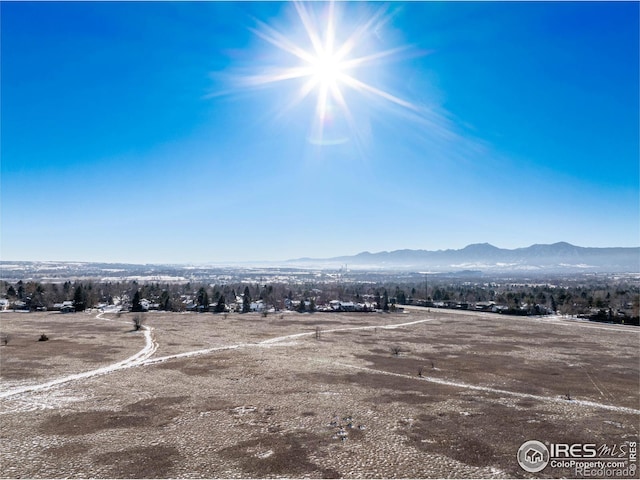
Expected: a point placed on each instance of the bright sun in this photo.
(326, 68)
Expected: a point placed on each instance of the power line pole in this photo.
(426, 283)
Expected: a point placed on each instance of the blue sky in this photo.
(144, 133)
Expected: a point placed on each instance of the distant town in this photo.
(73, 287)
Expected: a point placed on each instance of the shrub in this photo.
(43, 338)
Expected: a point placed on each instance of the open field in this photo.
(307, 395)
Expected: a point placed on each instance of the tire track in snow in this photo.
(275, 341)
(469, 386)
(549, 319)
(142, 358)
(147, 351)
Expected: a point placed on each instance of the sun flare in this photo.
(326, 60)
(326, 70)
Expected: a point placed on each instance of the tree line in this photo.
(612, 298)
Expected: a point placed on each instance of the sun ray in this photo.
(280, 41)
(372, 58)
(275, 76)
(327, 65)
(360, 32)
(358, 85)
(311, 31)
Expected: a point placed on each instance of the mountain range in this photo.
(556, 257)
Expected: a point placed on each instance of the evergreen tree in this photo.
(246, 300)
(312, 305)
(221, 305)
(136, 306)
(301, 306)
(202, 299)
(165, 301)
(401, 297)
(385, 301)
(78, 299)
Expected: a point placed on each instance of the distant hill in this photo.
(556, 257)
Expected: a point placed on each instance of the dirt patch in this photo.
(83, 423)
(486, 433)
(76, 343)
(23, 370)
(155, 406)
(195, 366)
(213, 404)
(276, 455)
(140, 462)
(69, 449)
(305, 324)
(144, 413)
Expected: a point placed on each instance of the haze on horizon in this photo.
(169, 132)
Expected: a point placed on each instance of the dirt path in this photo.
(142, 358)
(469, 386)
(551, 319)
(147, 351)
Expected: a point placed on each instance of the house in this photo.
(67, 307)
(533, 456)
(68, 310)
(365, 307)
(257, 306)
(20, 305)
(484, 306)
(339, 306)
(110, 308)
(347, 306)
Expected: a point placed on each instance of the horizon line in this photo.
(305, 258)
